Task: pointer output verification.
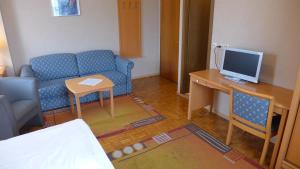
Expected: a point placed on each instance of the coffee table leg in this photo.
(112, 103)
(101, 98)
(78, 107)
(71, 102)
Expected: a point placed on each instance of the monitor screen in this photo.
(242, 64)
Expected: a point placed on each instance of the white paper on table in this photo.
(90, 82)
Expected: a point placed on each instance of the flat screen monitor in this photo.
(242, 64)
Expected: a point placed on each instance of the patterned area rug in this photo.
(130, 112)
(187, 147)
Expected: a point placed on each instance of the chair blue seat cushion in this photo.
(53, 88)
(21, 108)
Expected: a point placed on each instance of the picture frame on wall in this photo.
(65, 7)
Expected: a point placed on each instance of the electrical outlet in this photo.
(223, 45)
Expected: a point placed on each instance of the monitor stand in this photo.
(235, 79)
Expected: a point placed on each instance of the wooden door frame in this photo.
(180, 47)
(184, 44)
(179, 37)
(184, 18)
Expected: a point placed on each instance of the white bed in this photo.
(70, 145)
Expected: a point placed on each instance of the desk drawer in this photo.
(211, 85)
(200, 82)
(217, 86)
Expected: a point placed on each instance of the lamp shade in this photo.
(2, 42)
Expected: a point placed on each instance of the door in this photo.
(130, 28)
(293, 152)
(195, 39)
(289, 154)
(169, 39)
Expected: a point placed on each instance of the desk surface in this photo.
(282, 96)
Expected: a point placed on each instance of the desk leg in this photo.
(112, 103)
(191, 98)
(72, 102)
(279, 138)
(101, 98)
(212, 103)
(78, 107)
(200, 96)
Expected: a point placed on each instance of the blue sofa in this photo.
(51, 71)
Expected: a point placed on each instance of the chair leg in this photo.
(229, 133)
(265, 150)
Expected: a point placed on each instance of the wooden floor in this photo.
(161, 94)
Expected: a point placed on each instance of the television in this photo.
(241, 64)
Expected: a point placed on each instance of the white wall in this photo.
(5, 58)
(271, 26)
(33, 31)
(149, 64)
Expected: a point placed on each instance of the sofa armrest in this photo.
(8, 125)
(16, 88)
(26, 71)
(124, 66)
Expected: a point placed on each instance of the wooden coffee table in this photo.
(78, 90)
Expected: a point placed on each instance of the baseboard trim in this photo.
(186, 96)
(145, 76)
(222, 115)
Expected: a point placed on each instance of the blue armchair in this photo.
(19, 105)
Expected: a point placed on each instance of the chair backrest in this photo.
(251, 109)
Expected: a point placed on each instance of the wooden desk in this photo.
(204, 83)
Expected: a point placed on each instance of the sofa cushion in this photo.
(54, 66)
(53, 88)
(96, 61)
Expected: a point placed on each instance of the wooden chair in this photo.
(251, 112)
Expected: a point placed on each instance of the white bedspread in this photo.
(70, 145)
